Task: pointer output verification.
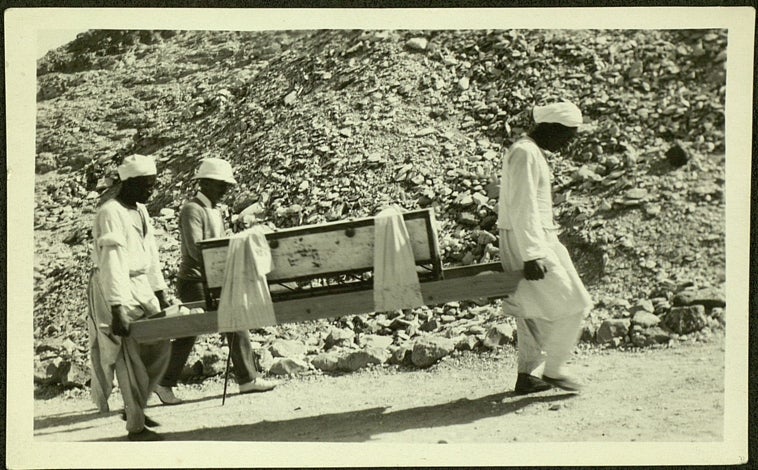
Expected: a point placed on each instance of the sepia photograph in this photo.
(378, 237)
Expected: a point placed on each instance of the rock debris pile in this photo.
(326, 125)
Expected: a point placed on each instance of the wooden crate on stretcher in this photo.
(325, 271)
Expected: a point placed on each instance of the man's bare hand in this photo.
(534, 270)
(120, 323)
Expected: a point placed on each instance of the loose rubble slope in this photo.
(325, 125)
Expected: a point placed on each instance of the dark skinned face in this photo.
(561, 138)
(553, 137)
(138, 189)
(214, 190)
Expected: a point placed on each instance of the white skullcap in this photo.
(136, 165)
(564, 113)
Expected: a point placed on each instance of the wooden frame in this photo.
(310, 252)
(461, 283)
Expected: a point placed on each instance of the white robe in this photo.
(128, 272)
(528, 232)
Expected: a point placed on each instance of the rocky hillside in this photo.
(325, 125)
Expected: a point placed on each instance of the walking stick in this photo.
(226, 372)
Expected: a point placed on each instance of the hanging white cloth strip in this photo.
(245, 301)
(396, 284)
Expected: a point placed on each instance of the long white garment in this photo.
(245, 301)
(126, 254)
(528, 232)
(396, 284)
(128, 272)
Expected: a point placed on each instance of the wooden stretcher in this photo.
(324, 271)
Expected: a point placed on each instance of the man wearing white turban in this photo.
(551, 302)
(126, 284)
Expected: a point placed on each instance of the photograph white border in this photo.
(22, 27)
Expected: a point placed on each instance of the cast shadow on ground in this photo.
(76, 417)
(363, 425)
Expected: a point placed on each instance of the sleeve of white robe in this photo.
(154, 271)
(524, 175)
(112, 257)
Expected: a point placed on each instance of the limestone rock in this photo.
(612, 328)
(339, 337)
(708, 298)
(359, 359)
(328, 362)
(685, 320)
(288, 348)
(645, 319)
(429, 350)
(289, 366)
(264, 359)
(417, 44)
(498, 335)
(374, 341)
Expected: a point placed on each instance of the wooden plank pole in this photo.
(465, 283)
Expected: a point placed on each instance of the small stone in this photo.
(167, 213)
(645, 319)
(290, 99)
(676, 156)
(719, 314)
(555, 407)
(429, 325)
(636, 193)
(498, 335)
(263, 358)
(468, 219)
(464, 83)
(339, 337)
(417, 44)
(289, 366)
(588, 333)
(374, 341)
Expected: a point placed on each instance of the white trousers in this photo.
(545, 342)
(548, 312)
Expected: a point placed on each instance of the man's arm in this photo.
(525, 215)
(113, 267)
(191, 229)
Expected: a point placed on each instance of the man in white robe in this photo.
(126, 285)
(551, 302)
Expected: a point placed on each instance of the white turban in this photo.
(564, 113)
(136, 165)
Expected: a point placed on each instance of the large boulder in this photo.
(429, 350)
(685, 320)
(288, 348)
(49, 371)
(359, 359)
(327, 362)
(709, 298)
(612, 328)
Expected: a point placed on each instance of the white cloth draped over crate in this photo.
(396, 284)
(245, 301)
